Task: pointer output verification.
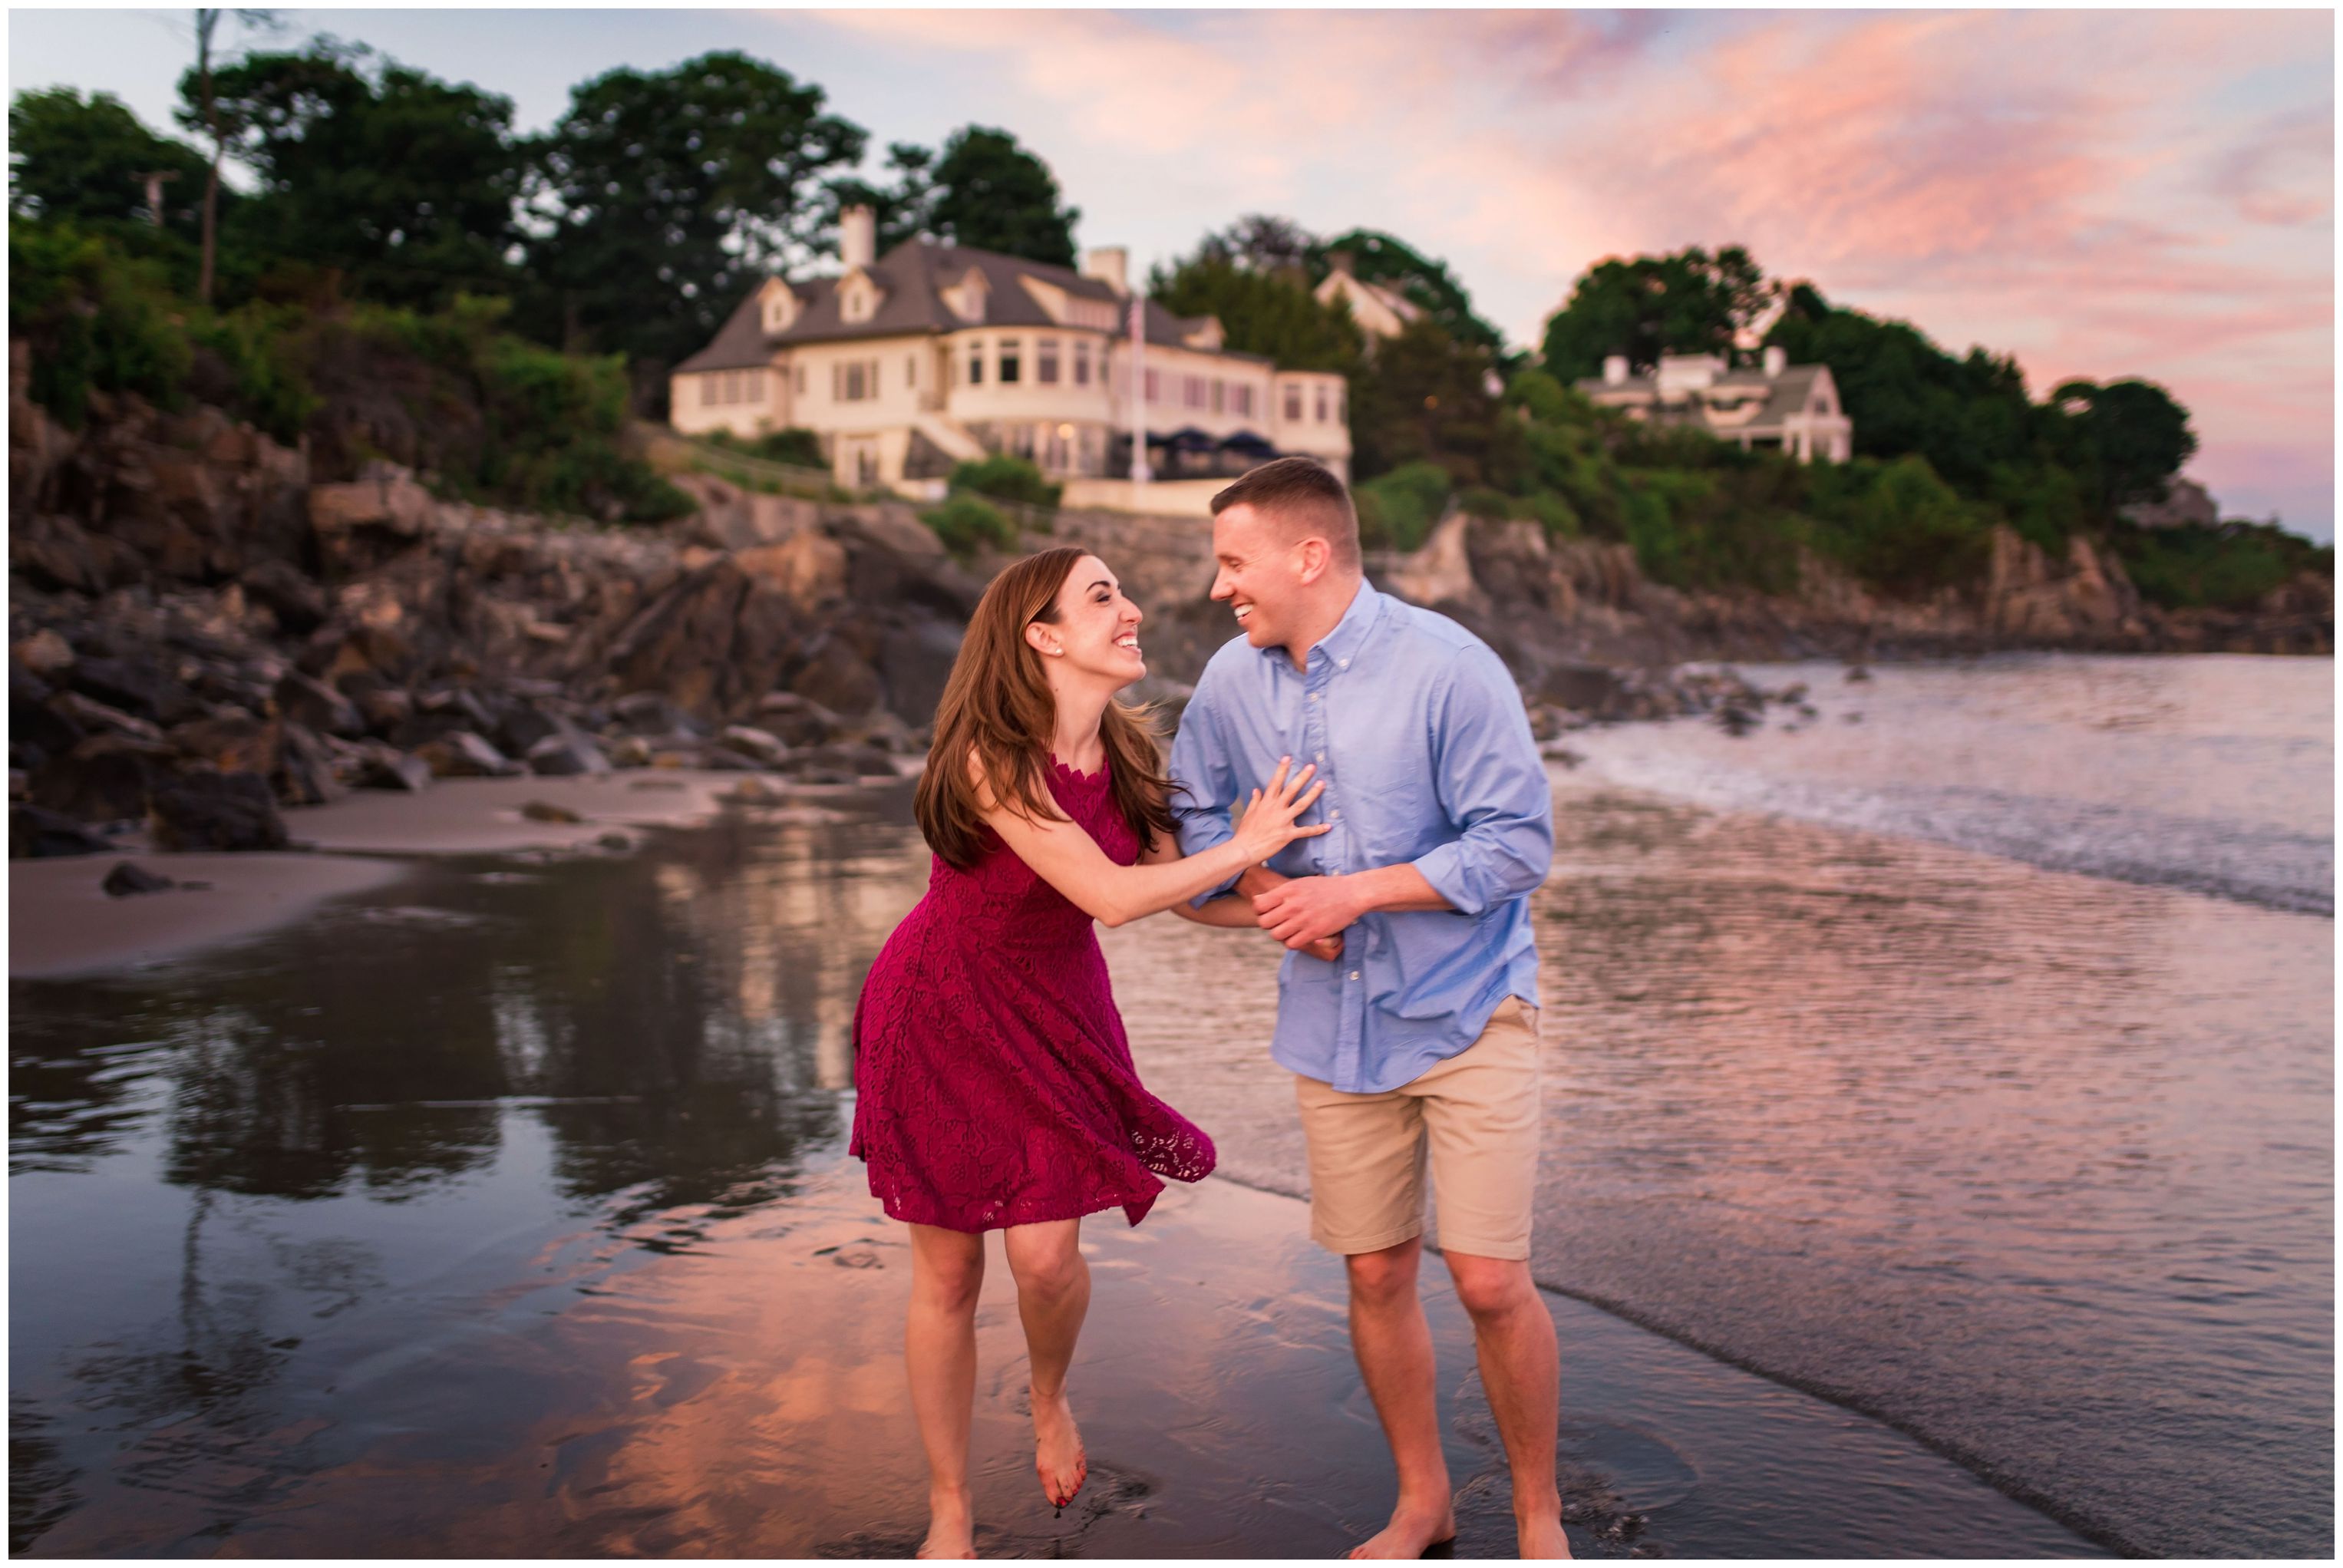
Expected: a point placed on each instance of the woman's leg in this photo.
(939, 1350)
(1054, 1292)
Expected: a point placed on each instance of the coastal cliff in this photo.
(201, 634)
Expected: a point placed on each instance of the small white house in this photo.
(1793, 408)
(906, 364)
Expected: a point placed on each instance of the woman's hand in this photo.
(1268, 824)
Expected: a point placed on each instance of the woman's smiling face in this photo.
(1095, 633)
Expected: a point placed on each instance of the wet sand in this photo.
(62, 921)
(486, 1367)
(738, 1392)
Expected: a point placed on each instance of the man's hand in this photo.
(1260, 880)
(1307, 909)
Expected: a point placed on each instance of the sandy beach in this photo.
(492, 1367)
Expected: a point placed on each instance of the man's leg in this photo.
(1393, 1343)
(1366, 1202)
(1482, 1121)
(1521, 1370)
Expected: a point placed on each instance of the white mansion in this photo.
(1791, 407)
(932, 355)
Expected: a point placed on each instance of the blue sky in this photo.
(2104, 194)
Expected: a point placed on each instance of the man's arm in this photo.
(1490, 782)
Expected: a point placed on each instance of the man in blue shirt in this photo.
(1407, 1005)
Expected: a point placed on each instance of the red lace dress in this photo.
(994, 1083)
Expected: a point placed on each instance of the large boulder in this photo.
(35, 832)
(206, 810)
(715, 642)
(307, 700)
(103, 778)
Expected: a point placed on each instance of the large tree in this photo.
(1427, 396)
(402, 182)
(2127, 439)
(1689, 302)
(1969, 416)
(86, 161)
(665, 192)
(1260, 312)
(992, 194)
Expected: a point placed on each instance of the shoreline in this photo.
(62, 924)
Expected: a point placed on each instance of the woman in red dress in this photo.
(995, 1090)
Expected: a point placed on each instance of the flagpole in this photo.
(1138, 392)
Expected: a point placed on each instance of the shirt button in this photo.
(1336, 817)
(1313, 697)
(1320, 758)
(1343, 663)
(1354, 974)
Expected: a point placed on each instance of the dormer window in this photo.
(780, 311)
(966, 297)
(858, 298)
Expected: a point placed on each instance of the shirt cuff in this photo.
(1446, 868)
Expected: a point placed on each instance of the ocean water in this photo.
(1963, 1053)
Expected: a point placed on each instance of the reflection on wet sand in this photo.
(507, 1215)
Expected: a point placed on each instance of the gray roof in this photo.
(912, 277)
(1789, 391)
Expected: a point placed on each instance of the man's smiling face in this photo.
(1259, 575)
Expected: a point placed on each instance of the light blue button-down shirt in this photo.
(1418, 734)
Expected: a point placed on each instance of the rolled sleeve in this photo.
(1492, 785)
(1203, 779)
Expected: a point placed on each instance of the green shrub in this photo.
(2225, 567)
(965, 521)
(1483, 501)
(1549, 511)
(1396, 511)
(1897, 525)
(259, 351)
(96, 320)
(1005, 477)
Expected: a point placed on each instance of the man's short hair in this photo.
(1304, 499)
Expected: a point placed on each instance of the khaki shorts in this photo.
(1477, 1114)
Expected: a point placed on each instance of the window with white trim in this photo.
(1155, 387)
(1244, 401)
(976, 362)
(1045, 362)
(1081, 362)
(1293, 404)
(1321, 405)
(756, 389)
(1220, 395)
(707, 390)
(1012, 362)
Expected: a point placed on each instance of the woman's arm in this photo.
(1064, 855)
(1231, 911)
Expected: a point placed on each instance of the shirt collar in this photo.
(1342, 644)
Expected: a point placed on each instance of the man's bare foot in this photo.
(1540, 1536)
(1057, 1455)
(1411, 1530)
(952, 1524)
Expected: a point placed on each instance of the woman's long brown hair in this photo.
(998, 705)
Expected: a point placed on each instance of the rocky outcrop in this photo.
(193, 622)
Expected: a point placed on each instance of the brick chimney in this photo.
(1614, 369)
(857, 236)
(1109, 266)
(1777, 359)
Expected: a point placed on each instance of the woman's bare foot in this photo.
(1413, 1527)
(1540, 1536)
(1057, 1455)
(952, 1524)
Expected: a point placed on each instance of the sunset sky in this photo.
(2103, 193)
